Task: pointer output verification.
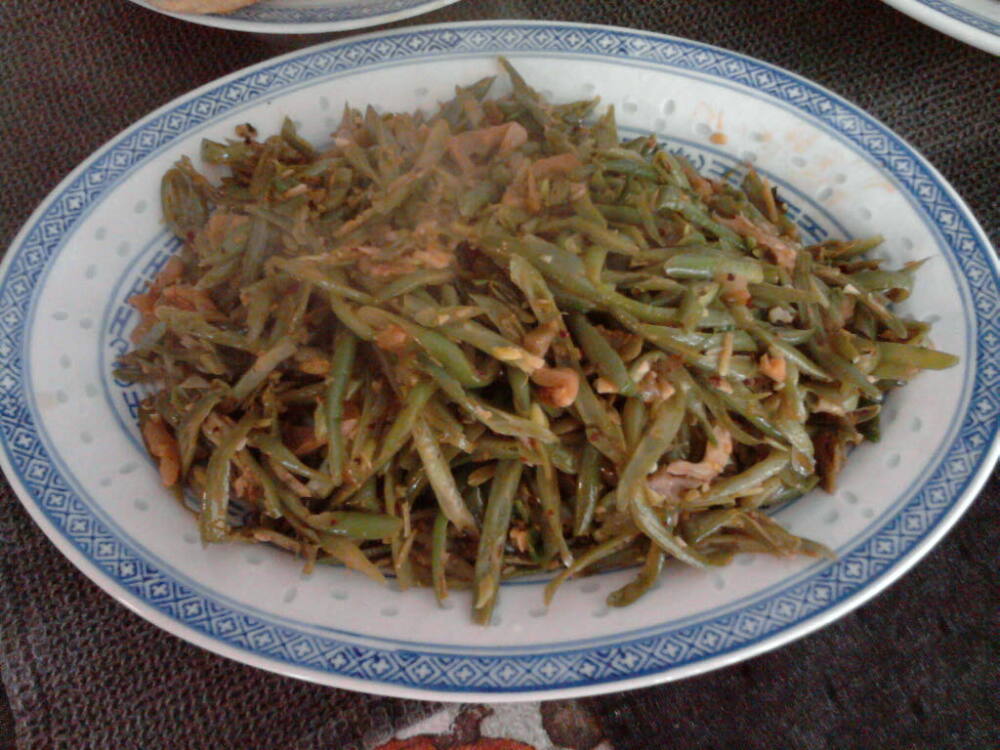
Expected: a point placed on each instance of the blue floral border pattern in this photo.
(335, 14)
(965, 16)
(425, 667)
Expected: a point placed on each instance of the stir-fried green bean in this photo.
(440, 478)
(493, 539)
(497, 341)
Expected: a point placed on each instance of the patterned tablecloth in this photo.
(918, 667)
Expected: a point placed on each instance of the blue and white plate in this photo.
(71, 450)
(975, 22)
(308, 16)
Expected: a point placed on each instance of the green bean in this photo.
(600, 235)
(633, 421)
(794, 336)
(602, 431)
(291, 136)
(415, 280)
(724, 490)
(441, 316)
(403, 426)
(845, 250)
(502, 315)
(494, 536)
(593, 555)
(742, 341)
(184, 204)
(742, 402)
(231, 152)
(187, 433)
(621, 214)
(781, 541)
(671, 165)
(914, 356)
(341, 365)
(868, 299)
(441, 480)
(777, 295)
(567, 270)
(347, 315)
(194, 324)
(894, 372)
(653, 444)
(295, 512)
(350, 555)
(496, 449)
(674, 200)
(439, 552)
(694, 306)
(494, 344)
(265, 364)
(742, 316)
(291, 310)
(453, 109)
(548, 496)
(495, 419)
(279, 452)
(446, 426)
(630, 168)
(709, 265)
(588, 490)
(843, 370)
(643, 581)
(438, 347)
(794, 431)
(256, 249)
(597, 349)
(520, 388)
(366, 497)
(649, 523)
(268, 484)
(673, 341)
(584, 207)
(525, 95)
(696, 527)
(215, 502)
(325, 279)
(355, 525)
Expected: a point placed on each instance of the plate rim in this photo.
(800, 628)
(230, 23)
(949, 19)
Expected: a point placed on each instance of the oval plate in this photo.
(71, 450)
(308, 16)
(975, 22)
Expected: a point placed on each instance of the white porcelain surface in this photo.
(69, 445)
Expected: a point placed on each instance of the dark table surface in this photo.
(917, 667)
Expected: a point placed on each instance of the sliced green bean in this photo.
(593, 555)
(643, 581)
(724, 490)
(654, 443)
(215, 502)
(439, 553)
(493, 538)
(441, 480)
(597, 349)
(266, 363)
(341, 366)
